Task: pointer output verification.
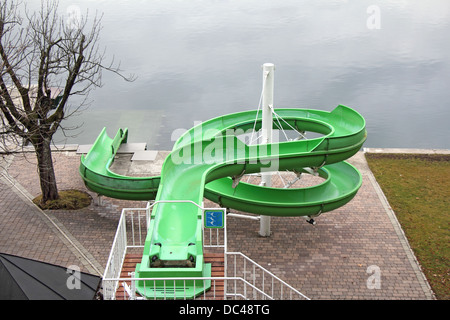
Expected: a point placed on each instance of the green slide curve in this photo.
(203, 163)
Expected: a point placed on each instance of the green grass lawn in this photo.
(418, 190)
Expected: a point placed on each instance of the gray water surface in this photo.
(199, 59)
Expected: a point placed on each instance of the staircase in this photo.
(217, 270)
(243, 280)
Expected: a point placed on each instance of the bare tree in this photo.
(45, 60)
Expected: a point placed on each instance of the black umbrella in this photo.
(26, 279)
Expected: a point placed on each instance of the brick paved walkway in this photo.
(329, 260)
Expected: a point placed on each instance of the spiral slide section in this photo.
(207, 161)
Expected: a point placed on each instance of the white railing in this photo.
(243, 278)
(130, 234)
(242, 267)
(241, 289)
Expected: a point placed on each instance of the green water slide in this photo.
(207, 161)
(98, 177)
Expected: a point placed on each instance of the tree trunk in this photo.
(46, 170)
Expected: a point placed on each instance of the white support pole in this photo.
(267, 123)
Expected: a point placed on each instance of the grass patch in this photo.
(68, 200)
(418, 189)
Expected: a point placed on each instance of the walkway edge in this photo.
(72, 244)
(406, 150)
(397, 226)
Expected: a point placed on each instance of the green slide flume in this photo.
(97, 176)
(207, 161)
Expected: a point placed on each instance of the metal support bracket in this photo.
(237, 178)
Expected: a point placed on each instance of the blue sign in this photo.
(214, 218)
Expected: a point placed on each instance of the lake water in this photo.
(197, 59)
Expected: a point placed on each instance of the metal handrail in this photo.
(115, 241)
(170, 290)
(120, 245)
(268, 272)
(175, 201)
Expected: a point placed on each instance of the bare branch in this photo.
(44, 62)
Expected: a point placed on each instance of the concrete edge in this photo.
(428, 291)
(58, 228)
(75, 147)
(406, 150)
(29, 148)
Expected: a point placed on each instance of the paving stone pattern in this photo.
(334, 259)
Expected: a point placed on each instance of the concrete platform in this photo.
(144, 155)
(124, 148)
(337, 258)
